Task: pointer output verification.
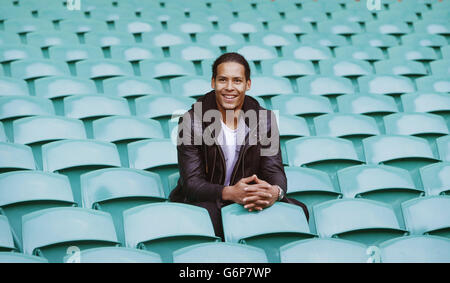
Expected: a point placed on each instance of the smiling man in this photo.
(228, 147)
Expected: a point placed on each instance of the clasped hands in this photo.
(252, 193)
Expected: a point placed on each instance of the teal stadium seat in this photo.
(241, 226)
(85, 106)
(435, 178)
(9, 38)
(243, 28)
(359, 52)
(75, 157)
(424, 101)
(166, 227)
(402, 67)
(23, 192)
(46, 39)
(433, 26)
(339, 27)
(191, 28)
(155, 155)
(385, 84)
(291, 27)
(326, 39)
(194, 53)
(440, 67)
(104, 190)
(74, 53)
(31, 69)
(311, 187)
(266, 87)
(3, 137)
(324, 250)
(428, 215)
(191, 86)
(376, 40)
(165, 40)
(22, 26)
(311, 52)
(255, 54)
(219, 253)
(350, 16)
(16, 157)
(394, 27)
(223, 40)
(440, 83)
(414, 52)
(289, 127)
(9, 257)
(136, 26)
(416, 249)
(107, 39)
(13, 87)
(82, 26)
(345, 67)
(135, 53)
(374, 223)
(274, 41)
(62, 86)
(56, 15)
(51, 232)
(118, 255)
(6, 237)
(12, 52)
(424, 39)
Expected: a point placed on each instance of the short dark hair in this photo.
(231, 57)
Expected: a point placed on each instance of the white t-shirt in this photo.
(230, 150)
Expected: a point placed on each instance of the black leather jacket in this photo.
(202, 167)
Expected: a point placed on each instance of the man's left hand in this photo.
(256, 202)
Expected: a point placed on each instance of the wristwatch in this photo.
(281, 193)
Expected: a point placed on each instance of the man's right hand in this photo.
(242, 190)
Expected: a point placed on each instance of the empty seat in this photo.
(308, 52)
(156, 155)
(401, 67)
(339, 27)
(424, 39)
(136, 25)
(135, 53)
(16, 156)
(131, 86)
(440, 67)
(6, 237)
(108, 39)
(193, 86)
(243, 28)
(61, 86)
(359, 52)
(86, 106)
(291, 126)
(324, 39)
(50, 232)
(440, 83)
(9, 52)
(366, 104)
(417, 53)
(21, 106)
(373, 223)
(195, 54)
(22, 192)
(301, 105)
(345, 67)
(255, 52)
(296, 28)
(27, 25)
(73, 53)
(241, 226)
(385, 84)
(166, 70)
(37, 68)
(219, 253)
(103, 68)
(165, 39)
(416, 249)
(3, 137)
(433, 26)
(435, 178)
(104, 190)
(13, 87)
(166, 227)
(9, 257)
(118, 255)
(390, 26)
(223, 40)
(263, 86)
(111, 14)
(290, 68)
(428, 215)
(9, 38)
(345, 125)
(323, 250)
(81, 26)
(324, 85)
(45, 39)
(374, 40)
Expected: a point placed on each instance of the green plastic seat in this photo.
(440, 83)
(221, 39)
(328, 7)
(400, 67)
(433, 26)
(166, 227)
(134, 53)
(9, 38)
(345, 67)
(155, 106)
(406, 16)
(62, 86)
(350, 16)
(416, 249)
(86, 106)
(435, 178)
(109, 38)
(339, 27)
(311, 52)
(13, 87)
(192, 86)
(81, 26)
(111, 14)
(286, 67)
(324, 250)
(136, 26)
(359, 52)
(165, 39)
(6, 237)
(191, 28)
(374, 39)
(16, 157)
(366, 104)
(273, 41)
(443, 144)
(291, 126)
(155, 155)
(73, 53)
(130, 87)
(301, 104)
(424, 39)
(50, 232)
(311, 187)
(219, 253)
(440, 67)
(23, 192)
(326, 39)
(415, 52)
(13, 12)
(10, 52)
(37, 68)
(291, 27)
(241, 226)
(266, 87)
(244, 28)
(360, 220)
(255, 52)
(345, 125)
(390, 27)
(311, 16)
(386, 84)
(324, 85)
(45, 39)
(103, 68)
(428, 215)
(103, 190)
(25, 25)
(381, 183)
(57, 14)
(21, 106)
(39, 129)
(409, 6)
(9, 257)
(118, 255)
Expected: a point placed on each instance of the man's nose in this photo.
(229, 85)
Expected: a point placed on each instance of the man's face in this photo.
(230, 86)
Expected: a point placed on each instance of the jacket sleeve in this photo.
(191, 163)
(271, 167)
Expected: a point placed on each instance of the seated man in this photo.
(228, 147)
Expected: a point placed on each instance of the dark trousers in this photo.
(216, 216)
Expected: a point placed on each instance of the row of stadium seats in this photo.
(170, 226)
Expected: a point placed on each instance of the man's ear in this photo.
(249, 84)
(213, 83)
